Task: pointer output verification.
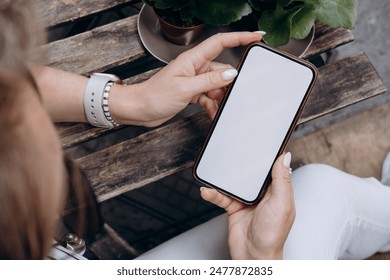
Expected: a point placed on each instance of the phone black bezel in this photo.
(267, 181)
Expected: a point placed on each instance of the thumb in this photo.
(281, 177)
(212, 80)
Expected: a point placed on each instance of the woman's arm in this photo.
(183, 81)
(62, 93)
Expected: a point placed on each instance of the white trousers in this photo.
(338, 216)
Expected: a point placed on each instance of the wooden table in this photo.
(156, 153)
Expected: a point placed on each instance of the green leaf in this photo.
(335, 13)
(278, 24)
(222, 12)
(298, 21)
(303, 22)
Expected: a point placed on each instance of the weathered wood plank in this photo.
(343, 83)
(357, 145)
(146, 158)
(54, 12)
(328, 38)
(171, 148)
(71, 133)
(97, 50)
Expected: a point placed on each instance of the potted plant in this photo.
(286, 19)
(181, 21)
(281, 19)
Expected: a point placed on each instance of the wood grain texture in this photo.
(54, 12)
(146, 158)
(97, 50)
(357, 145)
(171, 148)
(71, 133)
(343, 83)
(328, 38)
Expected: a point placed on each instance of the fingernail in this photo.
(229, 74)
(201, 189)
(260, 32)
(287, 160)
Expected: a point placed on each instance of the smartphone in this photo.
(254, 122)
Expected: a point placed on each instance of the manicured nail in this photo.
(287, 160)
(229, 74)
(260, 32)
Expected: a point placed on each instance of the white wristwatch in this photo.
(96, 97)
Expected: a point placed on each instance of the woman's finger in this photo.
(230, 205)
(281, 189)
(281, 178)
(210, 105)
(209, 81)
(217, 94)
(215, 65)
(209, 49)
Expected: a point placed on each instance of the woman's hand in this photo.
(192, 77)
(260, 231)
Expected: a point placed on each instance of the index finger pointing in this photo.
(209, 49)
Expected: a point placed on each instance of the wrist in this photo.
(96, 99)
(127, 105)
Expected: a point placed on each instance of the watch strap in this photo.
(96, 100)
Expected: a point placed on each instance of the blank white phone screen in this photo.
(254, 122)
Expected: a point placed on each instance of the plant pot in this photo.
(180, 35)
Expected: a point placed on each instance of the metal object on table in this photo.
(74, 243)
